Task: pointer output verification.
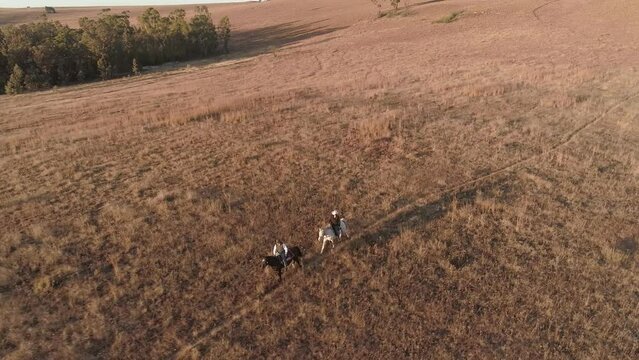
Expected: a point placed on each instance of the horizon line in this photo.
(170, 3)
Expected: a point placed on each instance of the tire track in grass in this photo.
(535, 10)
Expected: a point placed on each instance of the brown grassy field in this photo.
(489, 168)
(70, 15)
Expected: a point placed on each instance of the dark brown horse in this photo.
(294, 256)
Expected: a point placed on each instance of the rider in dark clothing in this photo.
(335, 222)
(281, 251)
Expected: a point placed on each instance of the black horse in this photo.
(275, 262)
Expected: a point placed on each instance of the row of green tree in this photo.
(44, 54)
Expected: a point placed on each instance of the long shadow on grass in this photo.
(275, 36)
(413, 216)
(425, 3)
(377, 233)
(250, 43)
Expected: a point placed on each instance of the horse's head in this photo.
(264, 263)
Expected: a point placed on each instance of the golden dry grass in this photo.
(489, 169)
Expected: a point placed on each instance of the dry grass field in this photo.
(488, 164)
(70, 15)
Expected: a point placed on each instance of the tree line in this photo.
(46, 53)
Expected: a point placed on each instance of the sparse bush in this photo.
(379, 3)
(15, 85)
(135, 68)
(224, 32)
(449, 18)
(42, 284)
(45, 283)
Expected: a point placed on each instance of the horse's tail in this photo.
(343, 224)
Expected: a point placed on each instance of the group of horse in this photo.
(295, 253)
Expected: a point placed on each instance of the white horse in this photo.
(327, 234)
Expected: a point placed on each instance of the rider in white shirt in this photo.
(281, 251)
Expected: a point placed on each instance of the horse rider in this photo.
(335, 222)
(281, 251)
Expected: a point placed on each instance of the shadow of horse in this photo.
(385, 229)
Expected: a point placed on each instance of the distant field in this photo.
(71, 15)
(488, 165)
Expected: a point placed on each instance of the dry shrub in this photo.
(38, 231)
(51, 279)
(385, 126)
(42, 284)
(118, 213)
(7, 278)
(406, 240)
(436, 246)
(35, 257)
(188, 353)
(537, 180)
(446, 266)
(23, 352)
(613, 256)
(9, 243)
(455, 15)
(234, 116)
(153, 292)
(564, 100)
(164, 196)
(478, 90)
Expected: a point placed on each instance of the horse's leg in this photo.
(279, 273)
(323, 244)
